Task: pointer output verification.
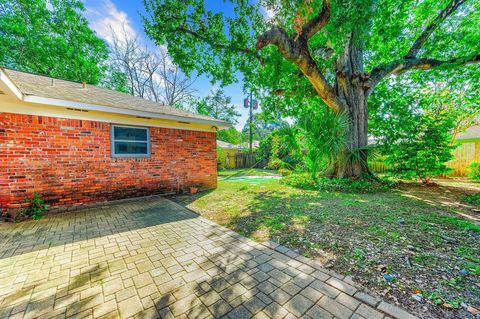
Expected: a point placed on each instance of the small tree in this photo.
(230, 135)
(219, 106)
(421, 150)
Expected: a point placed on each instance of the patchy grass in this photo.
(421, 236)
(472, 199)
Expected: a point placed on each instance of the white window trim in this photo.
(112, 142)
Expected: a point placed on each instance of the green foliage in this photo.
(51, 38)
(222, 44)
(414, 129)
(221, 157)
(116, 80)
(300, 180)
(219, 106)
(280, 149)
(323, 136)
(472, 199)
(263, 125)
(474, 171)
(37, 207)
(230, 135)
(365, 184)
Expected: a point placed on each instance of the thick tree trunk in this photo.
(351, 88)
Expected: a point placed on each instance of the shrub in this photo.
(365, 184)
(472, 198)
(300, 180)
(284, 172)
(37, 207)
(474, 171)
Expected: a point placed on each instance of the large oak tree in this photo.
(302, 54)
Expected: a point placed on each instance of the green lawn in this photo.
(414, 233)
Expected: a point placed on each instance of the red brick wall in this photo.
(69, 162)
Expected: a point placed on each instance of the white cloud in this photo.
(104, 17)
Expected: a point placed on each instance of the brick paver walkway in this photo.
(152, 258)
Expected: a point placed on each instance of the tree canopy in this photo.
(219, 106)
(51, 38)
(395, 37)
(300, 55)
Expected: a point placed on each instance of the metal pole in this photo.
(251, 120)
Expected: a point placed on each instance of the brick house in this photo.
(76, 144)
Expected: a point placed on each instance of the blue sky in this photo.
(106, 14)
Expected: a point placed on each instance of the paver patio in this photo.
(152, 258)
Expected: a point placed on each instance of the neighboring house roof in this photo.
(472, 132)
(226, 145)
(46, 90)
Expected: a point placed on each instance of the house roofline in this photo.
(10, 85)
(110, 109)
(102, 108)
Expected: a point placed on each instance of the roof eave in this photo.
(115, 110)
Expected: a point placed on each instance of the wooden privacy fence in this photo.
(464, 155)
(248, 160)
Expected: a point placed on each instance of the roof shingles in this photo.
(47, 87)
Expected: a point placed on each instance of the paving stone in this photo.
(130, 307)
(152, 258)
(200, 311)
(325, 289)
(298, 305)
(316, 312)
(291, 288)
(369, 299)
(209, 298)
(239, 313)
(265, 287)
(335, 308)
(312, 294)
(280, 276)
(254, 304)
(275, 311)
(266, 299)
(368, 312)
(219, 308)
(105, 308)
(280, 296)
(320, 275)
(348, 301)
(342, 285)
(394, 311)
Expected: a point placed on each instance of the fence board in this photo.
(247, 160)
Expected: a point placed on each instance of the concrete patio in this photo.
(152, 258)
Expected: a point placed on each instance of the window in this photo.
(127, 141)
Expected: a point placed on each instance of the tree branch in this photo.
(318, 22)
(297, 52)
(417, 45)
(400, 66)
(411, 61)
